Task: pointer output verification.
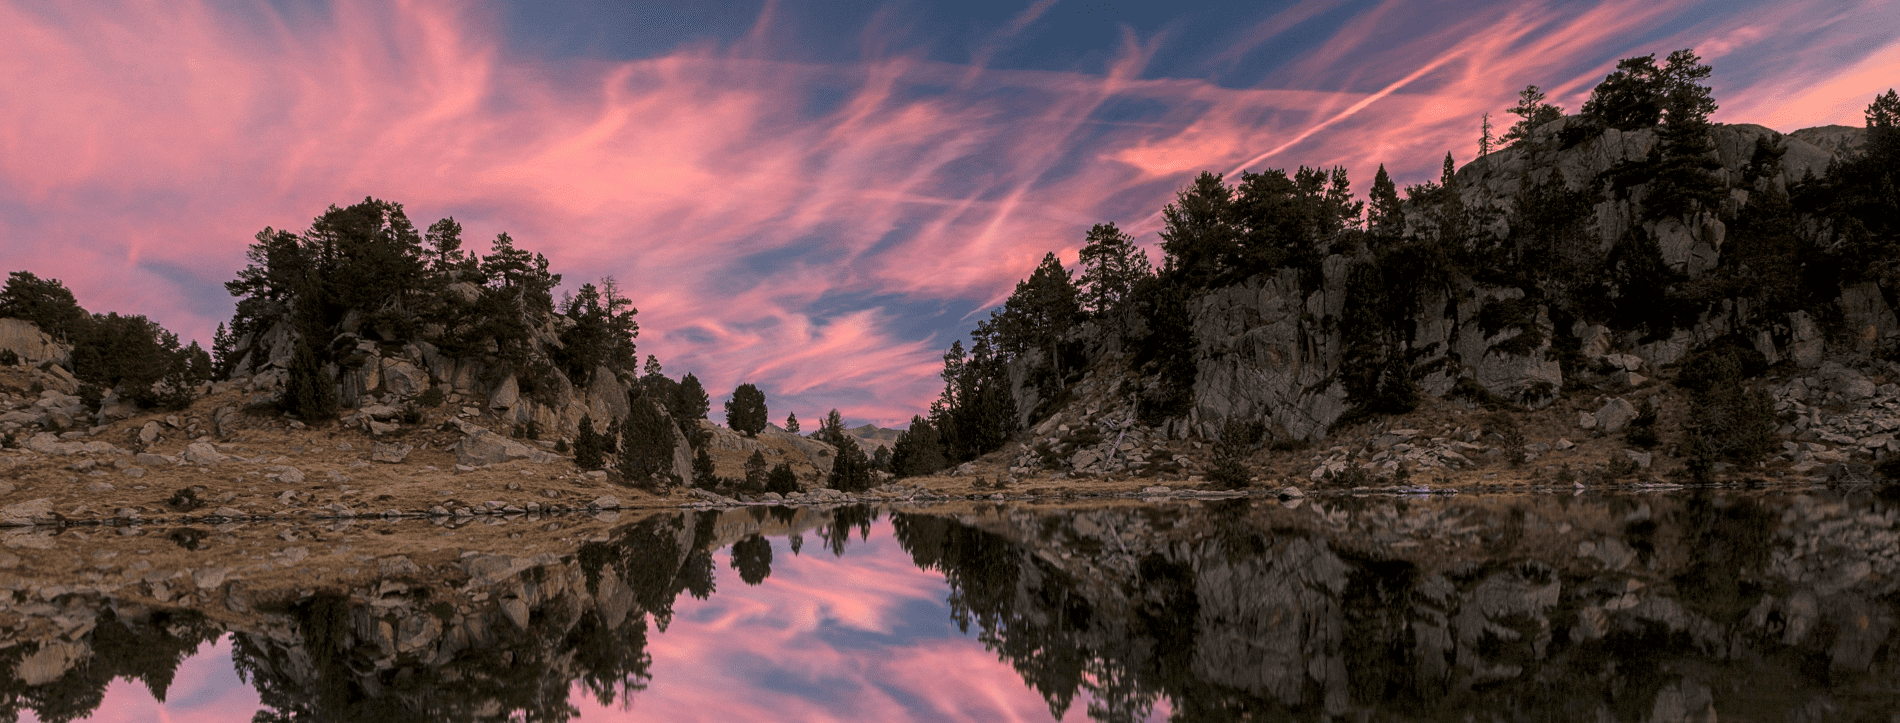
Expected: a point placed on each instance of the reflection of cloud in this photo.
(141, 138)
(772, 652)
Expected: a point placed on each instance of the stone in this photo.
(148, 433)
(290, 476)
(606, 502)
(133, 472)
(506, 394)
(153, 460)
(1586, 420)
(202, 453)
(485, 447)
(390, 453)
(403, 379)
(1806, 345)
(1614, 415)
(1563, 444)
(379, 411)
(100, 487)
(51, 661)
(1642, 459)
(28, 513)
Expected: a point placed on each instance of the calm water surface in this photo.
(1694, 606)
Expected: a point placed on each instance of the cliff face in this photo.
(1274, 347)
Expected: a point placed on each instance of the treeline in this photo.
(365, 272)
(1402, 249)
(129, 354)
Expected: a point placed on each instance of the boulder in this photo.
(390, 453)
(148, 433)
(485, 447)
(203, 453)
(403, 379)
(1614, 415)
(506, 395)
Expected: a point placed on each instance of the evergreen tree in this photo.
(791, 423)
(1111, 266)
(309, 393)
(590, 446)
(703, 470)
(755, 471)
(831, 430)
(1631, 97)
(918, 450)
(850, 471)
(746, 412)
(1532, 113)
(881, 461)
(1484, 136)
(1198, 231)
(646, 445)
(222, 343)
(1229, 470)
(781, 480)
(1385, 219)
(752, 557)
(444, 238)
(47, 303)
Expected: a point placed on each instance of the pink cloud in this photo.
(734, 192)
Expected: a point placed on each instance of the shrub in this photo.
(9, 357)
(308, 393)
(1229, 470)
(432, 397)
(781, 480)
(1641, 431)
(560, 445)
(185, 500)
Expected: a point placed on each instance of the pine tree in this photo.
(222, 345)
(1111, 266)
(918, 451)
(791, 423)
(755, 472)
(646, 445)
(850, 471)
(1631, 97)
(703, 470)
(589, 446)
(781, 480)
(1484, 136)
(309, 394)
(746, 412)
(831, 430)
(1384, 217)
(752, 557)
(1532, 113)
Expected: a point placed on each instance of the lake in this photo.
(1733, 604)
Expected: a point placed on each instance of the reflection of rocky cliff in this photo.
(1606, 610)
(491, 637)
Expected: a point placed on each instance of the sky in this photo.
(815, 197)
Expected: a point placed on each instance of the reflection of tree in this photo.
(148, 650)
(1239, 620)
(515, 673)
(752, 557)
(843, 520)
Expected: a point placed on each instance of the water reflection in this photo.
(1756, 606)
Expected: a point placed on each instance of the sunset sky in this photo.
(817, 197)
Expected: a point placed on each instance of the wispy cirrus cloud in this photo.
(746, 198)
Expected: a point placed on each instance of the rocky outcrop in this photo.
(33, 346)
(1271, 349)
